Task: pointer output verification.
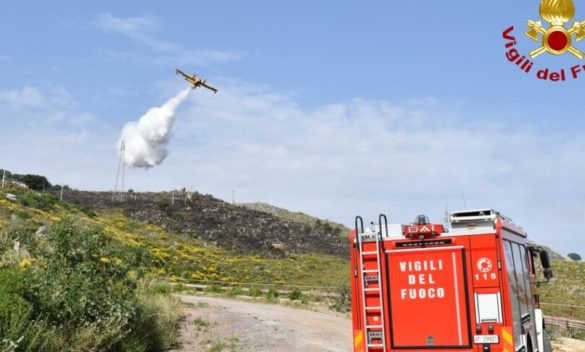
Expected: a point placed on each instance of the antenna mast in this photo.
(119, 193)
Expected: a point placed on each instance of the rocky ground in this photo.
(245, 230)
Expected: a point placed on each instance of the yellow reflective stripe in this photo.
(508, 340)
(359, 337)
(506, 336)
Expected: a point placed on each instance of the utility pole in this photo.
(446, 219)
(61, 196)
(233, 196)
(3, 177)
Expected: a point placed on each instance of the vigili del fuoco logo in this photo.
(556, 37)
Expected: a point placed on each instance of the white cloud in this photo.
(33, 98)
(30, 106)
(133, 27)
(143, 30)
(27, 97)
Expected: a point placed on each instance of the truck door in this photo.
(429, 307)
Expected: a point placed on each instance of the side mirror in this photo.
(544, 259)
(548, 274)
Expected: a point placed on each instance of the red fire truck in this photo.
(467, 286)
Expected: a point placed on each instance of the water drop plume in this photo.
(147, 139)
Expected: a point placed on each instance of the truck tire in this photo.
(547, 346)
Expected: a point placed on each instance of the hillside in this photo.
(224, 244)
(232, 227)
(299, 217)
(565, 291)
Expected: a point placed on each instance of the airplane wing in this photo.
(210, 87)
(181, 73)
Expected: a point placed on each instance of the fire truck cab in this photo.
(467, 286)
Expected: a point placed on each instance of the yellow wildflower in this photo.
(25, 263)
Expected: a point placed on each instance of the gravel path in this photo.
(218, 324)
(230, 325)
(564, 344)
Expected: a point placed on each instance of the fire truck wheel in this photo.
(546, 342)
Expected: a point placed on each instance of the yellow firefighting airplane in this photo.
(196, 81)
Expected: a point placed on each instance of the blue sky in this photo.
(333, 107)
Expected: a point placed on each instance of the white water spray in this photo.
(147, 139)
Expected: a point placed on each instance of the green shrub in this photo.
(235, 291)
(39, 201)
(158, 286)
(18, 331)
(88, 212)
(272, 294)
(81, 281)
(6, 242)
(35, 182)
(164, 204)
(23, 215)
(214, 289)
(80, 296)
(295, 294)
(12, 285)
(157, 320)
(255, 292)
(342, 302)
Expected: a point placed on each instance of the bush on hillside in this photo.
(87, 211)
(328, 227)
(574, 257)
(39, 201)
(18, 329)
(36, 182)
(82, 282)
(84, 292)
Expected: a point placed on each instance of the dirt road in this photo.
(229, 325)
(217, 324)
(564, 344)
